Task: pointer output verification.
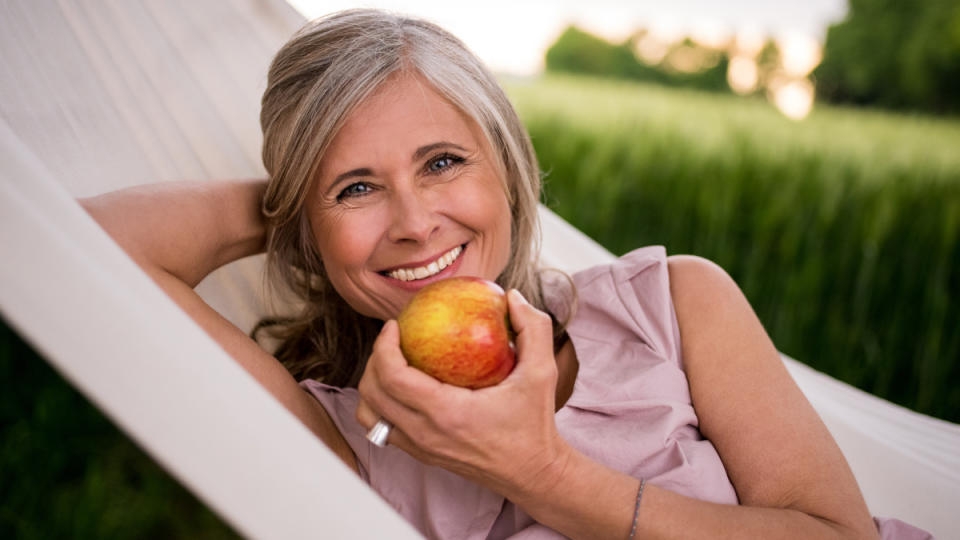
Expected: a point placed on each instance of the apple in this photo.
(458, 331)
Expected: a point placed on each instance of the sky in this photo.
(511, 36)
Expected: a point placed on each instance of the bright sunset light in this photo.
(512, 36)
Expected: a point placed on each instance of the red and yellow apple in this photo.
(458, 331)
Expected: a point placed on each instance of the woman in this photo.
(650, 409)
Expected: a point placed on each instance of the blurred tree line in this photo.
(885, 53)
(894, 54)
(577, 51)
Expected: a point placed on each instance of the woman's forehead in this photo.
(403, 114)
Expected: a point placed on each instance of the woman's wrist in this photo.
(245, 235)
(534, 486)
(582, 498)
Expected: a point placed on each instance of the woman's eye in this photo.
(443, 162)
(354, 190)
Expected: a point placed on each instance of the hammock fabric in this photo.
(102, 95)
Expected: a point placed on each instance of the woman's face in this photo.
(407, 194)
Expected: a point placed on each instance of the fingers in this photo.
(402, 382)
(366, 416)
(373, 402)
(369, 419)
(387, 345)
(386, 380)
(456, 428)
(534, 328)
(390, 388)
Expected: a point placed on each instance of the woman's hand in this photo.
(503, 436)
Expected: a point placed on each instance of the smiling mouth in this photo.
(423, 272)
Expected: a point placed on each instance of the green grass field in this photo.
(843, 229)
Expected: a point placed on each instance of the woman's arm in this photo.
(790, 476)
(183, 229)
(776, 450)
(180, 232)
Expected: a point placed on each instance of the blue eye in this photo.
(443, 162)
(357, 189)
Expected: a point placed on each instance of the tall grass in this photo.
(843, 230)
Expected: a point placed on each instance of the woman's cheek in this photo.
(347, 238)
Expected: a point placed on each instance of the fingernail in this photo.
(516, 296)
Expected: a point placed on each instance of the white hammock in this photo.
(98, 96)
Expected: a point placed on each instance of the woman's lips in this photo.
(427, 270)
(442, 267)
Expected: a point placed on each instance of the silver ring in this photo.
(379, 432)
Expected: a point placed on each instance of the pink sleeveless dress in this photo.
(630, 410)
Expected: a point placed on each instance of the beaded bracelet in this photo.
(636, 510)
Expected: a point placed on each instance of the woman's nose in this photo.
(414, 217)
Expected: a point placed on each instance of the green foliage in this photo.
(843, 230)
(66, 472)
(576, 51)
(894, 54)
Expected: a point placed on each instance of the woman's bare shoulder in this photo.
(697, 283)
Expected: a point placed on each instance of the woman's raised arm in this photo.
(178, 233)
(185, 229)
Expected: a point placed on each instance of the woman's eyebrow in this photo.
(426, 149)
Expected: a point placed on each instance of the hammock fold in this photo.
(102, 95)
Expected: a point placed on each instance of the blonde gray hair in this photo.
(315, 81)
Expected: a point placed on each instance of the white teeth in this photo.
(410, 274)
